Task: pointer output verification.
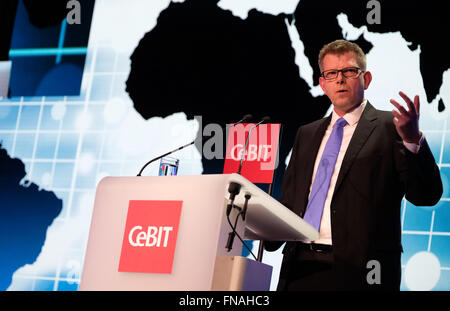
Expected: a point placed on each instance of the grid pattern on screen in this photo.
(428, 228)
(62, 142)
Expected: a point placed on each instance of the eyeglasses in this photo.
(349, 72)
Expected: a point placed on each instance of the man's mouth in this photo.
(341, 91)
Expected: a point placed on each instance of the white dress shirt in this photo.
(352, 119)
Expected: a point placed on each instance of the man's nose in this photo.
(340, 77)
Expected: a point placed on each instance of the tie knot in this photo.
(341, 122)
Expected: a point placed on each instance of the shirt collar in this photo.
(352, 117)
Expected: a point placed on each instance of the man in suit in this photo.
(347, 176)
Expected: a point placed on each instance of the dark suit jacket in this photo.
(376, 172)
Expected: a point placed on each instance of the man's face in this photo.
(345, 93)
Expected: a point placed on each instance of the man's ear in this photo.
(367, 79)
(322, 82)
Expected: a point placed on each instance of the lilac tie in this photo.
(313, 214)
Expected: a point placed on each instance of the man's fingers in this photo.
(404, 96)
(408, 102)
(399, 119)
(397, 115)
(417, 104)
(400, 108)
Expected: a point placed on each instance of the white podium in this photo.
(200, 260)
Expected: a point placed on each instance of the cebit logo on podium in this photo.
(150, 236)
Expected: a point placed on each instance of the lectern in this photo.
(170, 232)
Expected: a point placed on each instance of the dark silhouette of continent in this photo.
(25, 214)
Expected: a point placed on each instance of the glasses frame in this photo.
(322, 74)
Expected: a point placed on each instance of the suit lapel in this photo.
(366, 125)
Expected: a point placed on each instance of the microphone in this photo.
(234, 189)
(244, 118)
(244, 209)
(264, 120)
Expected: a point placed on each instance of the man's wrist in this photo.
(413, 146)
(416, 140)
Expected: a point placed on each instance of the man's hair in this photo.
(339, 47)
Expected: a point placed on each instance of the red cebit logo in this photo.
(261, 156)
(150, 236)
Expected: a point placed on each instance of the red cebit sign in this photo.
(261, 154)
(150, 236)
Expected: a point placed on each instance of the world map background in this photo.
(68, 143)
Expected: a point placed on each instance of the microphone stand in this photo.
(162, 156)
(265, 119)
(245, 118)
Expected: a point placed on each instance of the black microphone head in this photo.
(266, 119)
(247, 117)
(244, 119)
(234, 188)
